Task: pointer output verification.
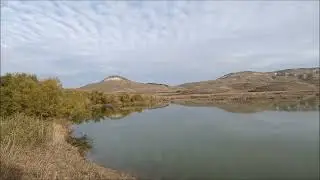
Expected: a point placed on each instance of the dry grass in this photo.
(125, 86)
(48, 156)
(285, 80)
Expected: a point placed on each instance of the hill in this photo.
(119, 84)
(246, 81)
(249, 81)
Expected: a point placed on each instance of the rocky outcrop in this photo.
(115, 78)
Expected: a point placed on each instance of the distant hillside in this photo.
(249, 81)
(121, 84)
(245, 81)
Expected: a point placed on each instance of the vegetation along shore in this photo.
(35, 116)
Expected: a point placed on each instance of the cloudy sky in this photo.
(156, 41)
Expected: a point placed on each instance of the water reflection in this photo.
(259, 107)
(100, 113)
(180, 142)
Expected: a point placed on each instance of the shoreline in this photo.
(242, 97)
(244, 102)
(35, 133)
(60, 159)
(97, 171)
(56, 159)
(237, 99)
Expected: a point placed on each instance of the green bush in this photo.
(25, 93)
(75, 105)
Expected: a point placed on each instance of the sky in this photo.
(156, 41)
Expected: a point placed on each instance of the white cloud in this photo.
(150, 40)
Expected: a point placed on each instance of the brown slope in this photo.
(125, 85)
(248, 81)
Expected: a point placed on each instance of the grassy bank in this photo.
(35, 149)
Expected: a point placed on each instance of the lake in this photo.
(180, 142)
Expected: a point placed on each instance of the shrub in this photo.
(124, 98)
(136, 97)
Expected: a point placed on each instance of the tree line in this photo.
(25, 93)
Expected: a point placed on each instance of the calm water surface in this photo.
(179, 142)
